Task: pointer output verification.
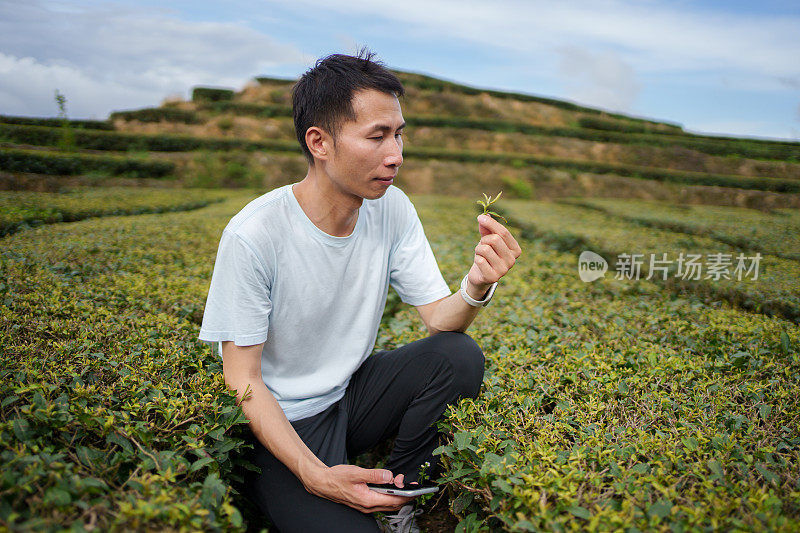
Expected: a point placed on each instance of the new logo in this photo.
(591, 266)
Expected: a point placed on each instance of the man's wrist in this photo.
(311, 474)
(477, 291)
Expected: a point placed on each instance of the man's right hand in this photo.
(342, 483)
(347, 484)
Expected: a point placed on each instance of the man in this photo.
(298, 290)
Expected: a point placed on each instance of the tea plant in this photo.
(487, 201)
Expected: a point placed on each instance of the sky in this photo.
(713, 66)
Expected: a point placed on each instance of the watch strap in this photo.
(472, 301)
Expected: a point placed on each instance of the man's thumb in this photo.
(378, 475)
(482, 228)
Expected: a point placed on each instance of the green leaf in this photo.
(200, 463)
(462, 440)
(784, 343)
(57, 496)
(88, 456)
(9, 400)
(739, 359)
(498, 215)
(716, 468)
(580, 512)
(22, 429)
(236, 518)
(661, 508)
(503, 485)
(94, 483)
(462, 501)
(119, 440)
(766, 473)
(690, 443)
(470, 524)
(444, 449)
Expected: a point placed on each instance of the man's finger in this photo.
(500, 247)
(374, 475)
(488, 223)
(490, 254)
(485, 269)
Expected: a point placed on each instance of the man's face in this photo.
(369, 150)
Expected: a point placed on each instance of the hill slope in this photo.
(459, 140)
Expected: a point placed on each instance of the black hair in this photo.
(323, 96)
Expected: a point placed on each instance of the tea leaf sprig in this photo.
(487, 201)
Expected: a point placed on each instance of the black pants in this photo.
(398, 393)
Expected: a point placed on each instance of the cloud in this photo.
(790, 83)
(651, 36)
(110, 57)
(602, 79)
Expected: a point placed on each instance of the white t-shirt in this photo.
(313, 299)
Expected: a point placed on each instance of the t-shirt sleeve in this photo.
(413, 271)
(238, 304)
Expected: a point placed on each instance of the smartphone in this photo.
(408, 490)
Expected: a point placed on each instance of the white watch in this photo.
(472, 301)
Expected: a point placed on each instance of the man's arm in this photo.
(495, 254)
(241, 366)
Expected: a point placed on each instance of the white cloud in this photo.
(110, 57)
(651, 36)
(601, 79)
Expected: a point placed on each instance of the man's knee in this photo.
(466, 359)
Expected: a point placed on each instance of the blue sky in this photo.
(715, 67)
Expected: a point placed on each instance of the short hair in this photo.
(323, 96)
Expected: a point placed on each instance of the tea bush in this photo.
(776, 232)
(113, 415)
(57, 121)
(55, 163)
(607, 405)
(211, 94)
(158, 114)
(21, 209)
(576, 228)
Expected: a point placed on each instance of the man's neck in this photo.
(329, 208)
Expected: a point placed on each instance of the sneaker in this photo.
(404, 521)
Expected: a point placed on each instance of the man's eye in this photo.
(377, 138)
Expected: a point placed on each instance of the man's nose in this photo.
(395, 156)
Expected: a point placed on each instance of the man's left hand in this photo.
(495, 254)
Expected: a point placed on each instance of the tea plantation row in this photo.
(22, 209)
(776, 232)
(774, 290)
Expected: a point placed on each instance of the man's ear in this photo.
(318, 142)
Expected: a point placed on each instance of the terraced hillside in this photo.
(459, 140)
